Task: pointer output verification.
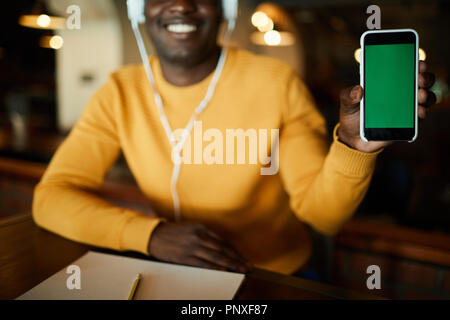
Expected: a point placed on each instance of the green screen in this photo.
(389, 85)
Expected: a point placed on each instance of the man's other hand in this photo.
(195, 245)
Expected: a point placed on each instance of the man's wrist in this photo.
(155, 230)
(355, 142)
(347, 139)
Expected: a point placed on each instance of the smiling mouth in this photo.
(181, 28)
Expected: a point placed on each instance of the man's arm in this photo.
(325, 185)
(63, 202)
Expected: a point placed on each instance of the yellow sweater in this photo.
(261, 215)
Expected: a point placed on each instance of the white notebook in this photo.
(110, 277)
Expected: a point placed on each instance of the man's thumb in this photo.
(350, 98)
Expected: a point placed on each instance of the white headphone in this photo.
(136, 14)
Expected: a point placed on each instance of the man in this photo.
(232, 216)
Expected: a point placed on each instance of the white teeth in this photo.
(181, 28)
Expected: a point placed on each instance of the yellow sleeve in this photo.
(63, 200)
(325, 185)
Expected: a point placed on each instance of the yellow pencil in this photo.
(134, 286)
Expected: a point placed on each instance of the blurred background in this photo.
(48, 72)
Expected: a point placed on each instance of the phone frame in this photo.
(362, 80)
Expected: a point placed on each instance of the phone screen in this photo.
(389, 86)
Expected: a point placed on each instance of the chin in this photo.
(185, 57)
(182, 56)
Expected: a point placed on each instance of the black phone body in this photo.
(389, 75)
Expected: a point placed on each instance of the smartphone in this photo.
(389, 73)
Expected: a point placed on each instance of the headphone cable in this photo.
(178, 146)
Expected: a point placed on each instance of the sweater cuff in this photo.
(137, 232)
(350, 161)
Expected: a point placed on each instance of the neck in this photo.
(185, 76)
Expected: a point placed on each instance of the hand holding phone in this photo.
(394, 95)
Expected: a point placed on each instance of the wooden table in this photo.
(29, 255)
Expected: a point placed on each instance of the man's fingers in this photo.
(422, 66)
(422, 96)
(205, 229)
(207, 234)
(422, 112)
(229, 250)
(212, 240)
(220, 259)
(225, 248)
(220, 247)
(222, 242)
(350, 98)
(198, 262)
(426, 80)
(214, 235)
(426, 98)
